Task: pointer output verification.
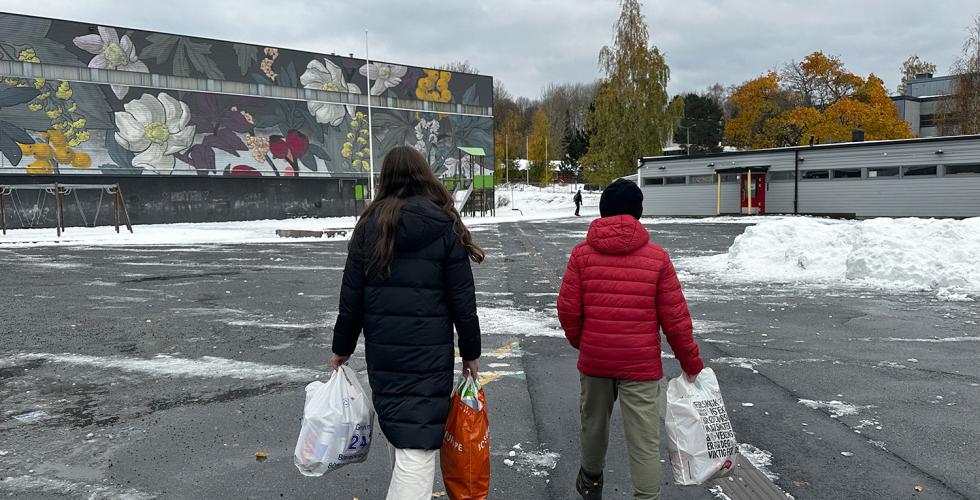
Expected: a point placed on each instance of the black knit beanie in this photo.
(622, 197)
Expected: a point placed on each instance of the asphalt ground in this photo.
(159, 372)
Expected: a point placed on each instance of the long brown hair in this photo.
(405, 174)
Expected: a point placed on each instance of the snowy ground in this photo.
(522, 203)
(157, 368)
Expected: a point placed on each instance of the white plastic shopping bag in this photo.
(700, 439)
(338, 424)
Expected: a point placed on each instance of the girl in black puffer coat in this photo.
(407, 284)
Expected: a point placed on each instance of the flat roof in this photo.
(789, 149)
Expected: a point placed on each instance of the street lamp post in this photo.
(367, 74)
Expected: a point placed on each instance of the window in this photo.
(847, 173)
(786, 175)
(653, 181)
(729, 177)
(815, 174)
(963, 169)
(882, 172)
(702, 179)
(919, 171)
(927, 121)
(675, 180)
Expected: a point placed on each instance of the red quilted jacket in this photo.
(619, 291)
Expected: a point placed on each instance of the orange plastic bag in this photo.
(465, 453)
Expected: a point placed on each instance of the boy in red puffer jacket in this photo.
(619, 291)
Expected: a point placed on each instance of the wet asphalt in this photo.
(159, 372)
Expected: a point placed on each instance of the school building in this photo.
(927, 177)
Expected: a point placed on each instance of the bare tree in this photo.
(959, 113)
(461, 67)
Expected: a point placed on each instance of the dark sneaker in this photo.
(589, 487)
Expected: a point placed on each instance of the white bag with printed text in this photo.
(700, 439)
(338, 424)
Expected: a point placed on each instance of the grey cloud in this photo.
(528, 44)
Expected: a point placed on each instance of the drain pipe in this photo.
(796, 182)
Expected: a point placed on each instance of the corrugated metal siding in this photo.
(779, 198)
(934, 197)
(690, 200)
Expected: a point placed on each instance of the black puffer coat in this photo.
(408, 322)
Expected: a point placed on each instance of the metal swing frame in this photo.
(120, 214)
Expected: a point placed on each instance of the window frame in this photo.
(906, 168)
(898, 173)
(946, 171)
(803, 173)
(860, 173)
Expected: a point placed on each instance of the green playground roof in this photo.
(472, 151)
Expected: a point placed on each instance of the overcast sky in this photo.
(529, 43)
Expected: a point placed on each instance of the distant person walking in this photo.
(578, 201)
(408, 283)
(619, 291)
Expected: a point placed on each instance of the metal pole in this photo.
(57, 208)
(3, 213)
(527, 153)
(718, 206)
(748, 189)
(367, 59)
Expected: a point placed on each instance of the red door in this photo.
(758, 192)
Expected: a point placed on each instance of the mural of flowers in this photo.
(52, 152)
(258, 146)
(54, 100)
(325, 75)
(384, 76)
(271, 55)
(356, 147)
(290, 148)
(111, 52)
(155, 128)
(426, 137)
(434, 86)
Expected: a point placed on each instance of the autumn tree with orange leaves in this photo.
(816, 97)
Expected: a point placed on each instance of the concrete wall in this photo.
(154, 199)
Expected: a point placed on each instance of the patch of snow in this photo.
(163, 365)
(901, 254)
(36, 484)
(835, 408)
(719, 493)
(508, 321)
(533, 463)
(760, 459)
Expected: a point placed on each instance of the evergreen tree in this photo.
(576, 144)
(702, 122)
(631, 116)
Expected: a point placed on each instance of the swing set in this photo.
(30, 218)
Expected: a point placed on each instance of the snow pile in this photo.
(907, 254)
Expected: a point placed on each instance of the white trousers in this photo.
(412, 475)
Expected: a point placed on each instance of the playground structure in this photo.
(473, 192)
(30, 216)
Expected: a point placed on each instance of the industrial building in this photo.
(918, 104)
(927, 177)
